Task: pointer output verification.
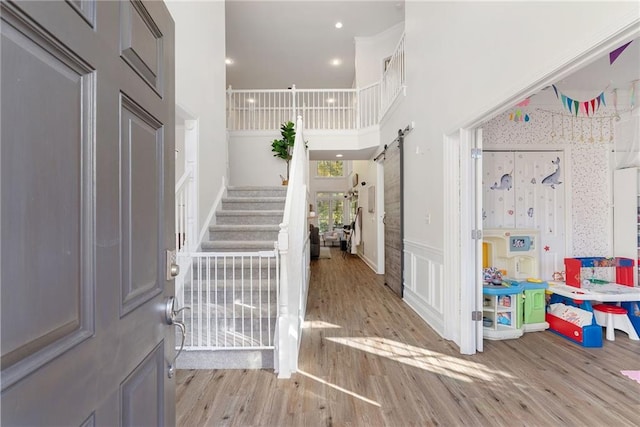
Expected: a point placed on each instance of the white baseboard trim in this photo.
(369, 263)
(212, 211)
(422, 309)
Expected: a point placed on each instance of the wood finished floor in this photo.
(368, 360)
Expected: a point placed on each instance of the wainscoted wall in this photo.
(590, 141)
(424, 283)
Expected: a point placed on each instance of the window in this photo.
(330, 168)
(330, 210)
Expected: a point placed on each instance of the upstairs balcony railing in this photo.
(322, 109)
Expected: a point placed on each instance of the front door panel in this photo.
(87, 146)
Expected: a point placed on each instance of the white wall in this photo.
(179, 148)
(464, 58)
(371, 52)
(368, 249)
(251, 162)
(200, 88)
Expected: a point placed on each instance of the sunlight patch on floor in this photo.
(319, 324)
(432, 361)
(337, 387)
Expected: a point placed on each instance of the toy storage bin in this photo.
(587, 335)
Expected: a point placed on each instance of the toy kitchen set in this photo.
(513, 296)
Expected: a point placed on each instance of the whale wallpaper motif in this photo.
(586, 168)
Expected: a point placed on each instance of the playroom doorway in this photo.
(463, 152)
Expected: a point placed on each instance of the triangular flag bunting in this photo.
(555, 89)
(575, 106)
(613, 55)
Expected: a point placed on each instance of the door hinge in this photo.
(476, 316)
(476, 153)
(476, 234)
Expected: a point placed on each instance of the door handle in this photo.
(171, 317)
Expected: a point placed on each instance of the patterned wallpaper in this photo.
(590, 140)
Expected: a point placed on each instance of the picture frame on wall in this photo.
(385, 63)
(371, 199)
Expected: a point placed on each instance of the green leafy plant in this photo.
(283, 148)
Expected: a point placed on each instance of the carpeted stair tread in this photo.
(244, 227)
(254, 199)
(232, 245)
(240, 212)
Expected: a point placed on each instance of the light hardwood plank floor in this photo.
(368, 360)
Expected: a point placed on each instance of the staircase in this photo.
(232, 292)
(248, 221)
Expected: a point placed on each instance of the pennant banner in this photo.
(574, 106)
(519, 116)
(613, 55)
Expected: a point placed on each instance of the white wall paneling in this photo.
(424, 288)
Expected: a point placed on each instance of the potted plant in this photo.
(283, 148)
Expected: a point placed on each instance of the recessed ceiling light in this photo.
(228, 61)
(251, 100)
(338, 24)
(336, 61)
(338, 155)
(330, 100)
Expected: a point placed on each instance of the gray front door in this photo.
(393, 216)
(87, 116)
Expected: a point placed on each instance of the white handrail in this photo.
(393, 78)
(185, 224)
(293, 247)
(185, 233)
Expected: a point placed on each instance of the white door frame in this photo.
(191, 151)
(451, 247)
(380, 216)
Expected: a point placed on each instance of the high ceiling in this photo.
(275, 44)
